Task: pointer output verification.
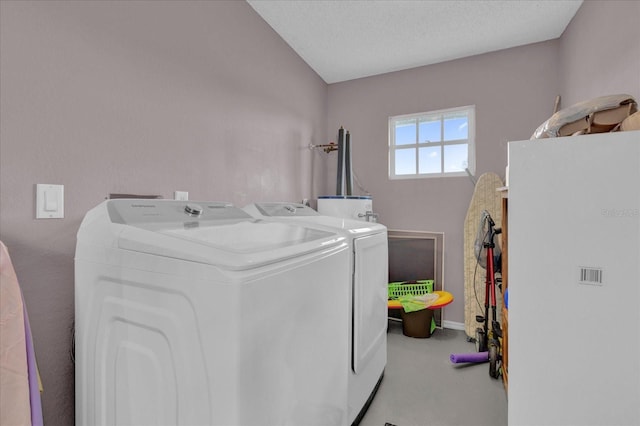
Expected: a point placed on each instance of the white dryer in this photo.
(367, 282)
(198, 314)
(357, 207)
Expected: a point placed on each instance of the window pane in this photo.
(405, 161)
(429, 130)
(429, 159)
(432, 144)
(456, 127)
(406, 132)
(456, 158)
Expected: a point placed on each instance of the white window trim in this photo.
(470, 109)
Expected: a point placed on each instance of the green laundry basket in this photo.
(414, 288)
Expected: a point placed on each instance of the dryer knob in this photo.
(193, 209)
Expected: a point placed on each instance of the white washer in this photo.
(367, 282)
(198, 314)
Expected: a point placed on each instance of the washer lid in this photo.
(345, 197)
(212, 233)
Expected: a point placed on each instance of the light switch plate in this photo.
(49, 201)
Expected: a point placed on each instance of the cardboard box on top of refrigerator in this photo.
(631, 123)
(598, 115)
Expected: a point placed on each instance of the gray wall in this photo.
(514, 92)
(600, 51)
(205, 97)
(144, 97)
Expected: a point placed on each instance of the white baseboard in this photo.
(454, 325)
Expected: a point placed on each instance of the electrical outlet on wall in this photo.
(181, 195)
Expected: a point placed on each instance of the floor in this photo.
(421, 387)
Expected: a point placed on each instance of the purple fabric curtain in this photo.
(32, 368)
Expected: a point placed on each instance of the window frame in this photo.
(431, 115)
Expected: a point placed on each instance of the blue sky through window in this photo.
(406, 132)
(406, 162)
(429, 131)
(456, 128)
(429, 159)
(432, 143)
(456, 158)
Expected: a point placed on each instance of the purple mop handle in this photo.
(470, 357)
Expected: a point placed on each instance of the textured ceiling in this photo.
(345, 40)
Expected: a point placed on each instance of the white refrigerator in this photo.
(574, 280)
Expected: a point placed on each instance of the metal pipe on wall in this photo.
(340, 177)
(347, 165)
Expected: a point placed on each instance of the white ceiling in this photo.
(349, 39)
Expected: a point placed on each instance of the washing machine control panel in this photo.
(154, 214)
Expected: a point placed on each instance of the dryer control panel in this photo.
(285, 210)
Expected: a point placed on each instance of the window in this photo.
(432, 144)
